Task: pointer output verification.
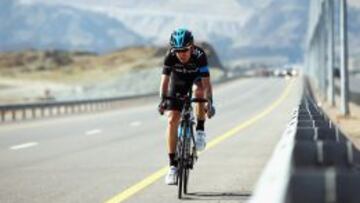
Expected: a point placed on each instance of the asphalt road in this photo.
(96, 157)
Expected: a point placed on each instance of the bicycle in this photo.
(186, 152)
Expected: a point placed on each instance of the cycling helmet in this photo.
(180, 39)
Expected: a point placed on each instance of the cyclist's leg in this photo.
(171, 132)
(171, 135)
(199, 107)
(200, 115)
(174, 107)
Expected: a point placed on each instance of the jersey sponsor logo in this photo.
(186, 70)
(187, 66)
(179, 65)
(198, 53)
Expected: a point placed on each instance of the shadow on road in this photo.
(217, 196)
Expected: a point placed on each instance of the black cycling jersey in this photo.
(183, 76)
(196, 67)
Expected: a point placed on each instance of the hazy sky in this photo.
(354, 3)
(238, 10)
(130, 2)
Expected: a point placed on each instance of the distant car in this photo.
(277, 72)
(288, 72)
(294, 72)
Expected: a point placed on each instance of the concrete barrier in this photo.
(318, 163)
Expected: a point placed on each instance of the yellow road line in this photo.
(158, 174)
(252, 120)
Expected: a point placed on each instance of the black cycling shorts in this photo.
(178, 89)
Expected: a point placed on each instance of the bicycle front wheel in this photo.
(186, 180)
(181, 165)
(187, 161)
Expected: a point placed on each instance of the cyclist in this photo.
(185, 67)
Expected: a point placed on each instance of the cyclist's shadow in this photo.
(217, 196)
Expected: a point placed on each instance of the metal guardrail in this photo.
(15, 112)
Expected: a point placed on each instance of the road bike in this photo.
(186, 152)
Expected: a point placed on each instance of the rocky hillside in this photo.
(32, 75)
(62, 65)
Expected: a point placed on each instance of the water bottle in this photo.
(180, 131)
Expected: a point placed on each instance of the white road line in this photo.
(23, 146)
(93, 132)
(135, 123)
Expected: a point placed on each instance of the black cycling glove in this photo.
(211, 109)
(162, 105)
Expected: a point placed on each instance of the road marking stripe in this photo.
(138, 186)
(93, 132)
(23, 146)
(158, 174)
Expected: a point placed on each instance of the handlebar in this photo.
(185, 98)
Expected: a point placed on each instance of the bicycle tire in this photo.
(186, 172)
(180, 180)
(186, 180)
(181, 163)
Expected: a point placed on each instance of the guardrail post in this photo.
(33, 112)
(3, 115)
(13, 115)
(24, 114)
(42, 109)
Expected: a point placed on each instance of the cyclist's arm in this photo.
(207, 86)
(164, 85)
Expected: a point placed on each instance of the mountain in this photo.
(44, 26)
(273, 30)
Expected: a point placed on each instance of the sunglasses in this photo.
(183, 50)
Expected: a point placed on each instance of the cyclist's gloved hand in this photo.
(211, 111)
(210, 108)
(162, 105)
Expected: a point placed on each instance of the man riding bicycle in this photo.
(185, 67)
